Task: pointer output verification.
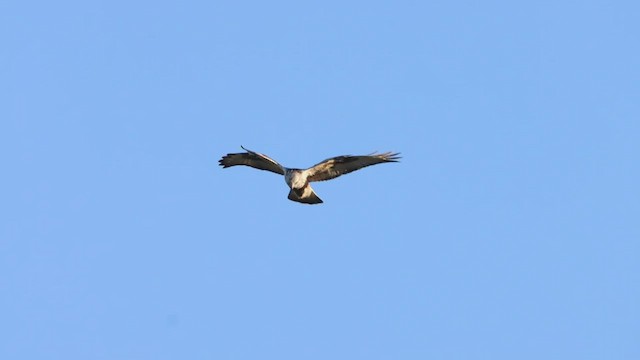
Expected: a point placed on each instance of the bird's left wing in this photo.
(253, 159)
(340, 165)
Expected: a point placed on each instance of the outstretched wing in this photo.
(340, 165)
(253, 159)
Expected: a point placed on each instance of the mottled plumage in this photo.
(298, 179)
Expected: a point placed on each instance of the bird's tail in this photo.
(305, 195)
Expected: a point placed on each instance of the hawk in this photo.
(298, 179)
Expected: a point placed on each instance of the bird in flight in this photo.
(298, 179)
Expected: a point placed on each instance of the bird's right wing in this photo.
(253, 159)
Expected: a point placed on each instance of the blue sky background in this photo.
(510, 230)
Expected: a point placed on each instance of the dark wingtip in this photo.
(391, 156)
(221, 162)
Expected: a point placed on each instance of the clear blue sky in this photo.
(510, 230)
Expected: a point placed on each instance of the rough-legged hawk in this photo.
(299, 179)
